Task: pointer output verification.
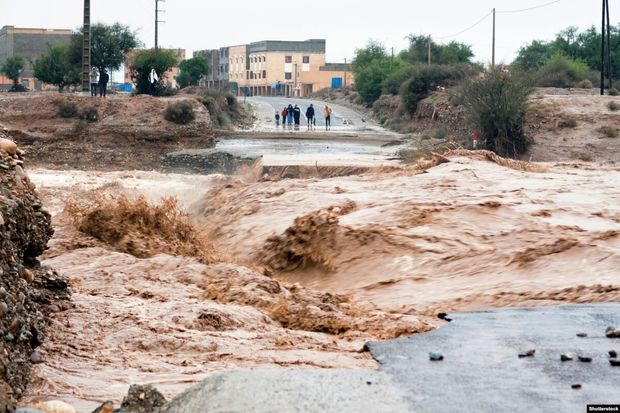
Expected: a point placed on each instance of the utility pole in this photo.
(157, 21)
(86, 48)
(609, 62)
(493, 53)
(345, 73)
(429, 50)
(603, 50)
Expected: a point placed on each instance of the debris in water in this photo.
(585, 359)
(576, 386)
(582, 335)
(613, 354)
(614, 362)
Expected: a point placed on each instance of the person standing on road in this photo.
(277, 119)
(310, 116)
(104, 78)
(327, 114)
(94, 79)
(153, 79)
(284, 114)
(297, 116)
(289, 115)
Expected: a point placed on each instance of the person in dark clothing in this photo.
(284, 115)
(310, 116)
(277, 119)
(104, 78)
(297, 116)
(289, 115)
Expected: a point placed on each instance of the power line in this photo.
(467, 29)
(540, 6)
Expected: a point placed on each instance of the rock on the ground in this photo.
(8, 146)
(106, 407)
(55, 406)
(613, 332)
(142, 399)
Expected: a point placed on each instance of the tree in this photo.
(143, 61)
(192, 70)
(12, 68)
(371, 67)
(533, 55)
(54, 67)
(109, 45)
(441, 54)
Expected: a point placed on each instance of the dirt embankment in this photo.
(124, 132)
(28, 292)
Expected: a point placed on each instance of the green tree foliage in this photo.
(580, 46)
(12, 68)
(192, 70)
(143, 61)
(55, 68)
(441, 54)
(496, 107)
(562, 71)
(372, 66)
(109, 45)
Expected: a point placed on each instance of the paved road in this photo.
(266, 107)
(480, 373)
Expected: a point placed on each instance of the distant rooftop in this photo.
(306, 46)
(335, 67)
(27, 30)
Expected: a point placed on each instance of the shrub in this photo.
(567, 123)
(181, 112)
(67, 109)
(582, 156)
(584, 84)
(613, 92)
(223, 119)
(90, 114)
(496, 106)
(425, 79)
(609, 131)
(613, 106)
(563, 72)
(440, 133)
(80, 126)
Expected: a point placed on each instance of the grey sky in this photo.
(346, 24)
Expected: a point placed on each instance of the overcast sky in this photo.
(345, 24)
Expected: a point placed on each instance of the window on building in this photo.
(306, 59)
(288, 76)
(264, 74)
(288, 59)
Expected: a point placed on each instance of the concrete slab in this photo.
(282, 390)
(481, 370)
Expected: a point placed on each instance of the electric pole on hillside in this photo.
(429, 50)
(606, 35)
(493, 52)
(157, 21)
(86, 48)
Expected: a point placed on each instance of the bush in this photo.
(223, 119)
(181, 112)
(567, 123)
(584, 84)
(563, 72)
(80, 126)
(425, 79)
(143, 61)
(613, 106)
(90, 114)
(496, 106)
(609, 131)
(67, 109)
(440, 133)
(613, 92)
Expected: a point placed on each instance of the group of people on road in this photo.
(292, 115)
(98, 81)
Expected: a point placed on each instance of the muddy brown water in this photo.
(467, 234)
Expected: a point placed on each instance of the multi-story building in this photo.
(29, 44)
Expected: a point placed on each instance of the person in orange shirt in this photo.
(327, 114)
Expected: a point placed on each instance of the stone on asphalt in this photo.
(567, 356)
(435, 356)
(612, 332)
(613, 354)
(585, 359)
(528, 353)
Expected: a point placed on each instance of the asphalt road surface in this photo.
(481, 371)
